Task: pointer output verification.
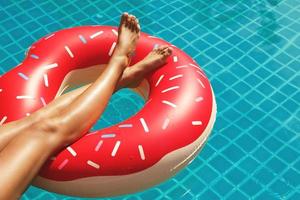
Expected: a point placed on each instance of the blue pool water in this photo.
(249, 49)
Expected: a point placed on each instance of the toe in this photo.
(123, 17)
(127, 21)
(170, 50)
(126, 17)
(167, 51)
(137, 28)
(133, 19)
(162, 48)
(136, 22)
(158, 50)
(131, 22)
(154, 50)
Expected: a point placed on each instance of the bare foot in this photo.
(132, 76)
(128, 35)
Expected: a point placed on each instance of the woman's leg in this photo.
(22, 158)
(131, 77)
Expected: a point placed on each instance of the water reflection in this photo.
(268, 23)
(257, 17)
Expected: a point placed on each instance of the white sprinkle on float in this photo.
(198, 99)
(112, 48)
(175, 77)
(99, 144)
(93, 164)
(63, 164)
(1, 89)
(189, 65)
(181, 66)
(169, 103)
(27, 114)
(24, 97)
(46, 80)
(169, 89)
(125, 125)
(201, 73)
(34, 56)
(43, 101)
(166, 123)
(199, 81)
(92, 133)
(69, 51)
(26, 51)
(175, 59)
(155, 46)
(196, 123)
(3, 120)
(141, 151)
(114, 32)
(23, 76)
(96, 34)
(194, 66)
(71, 150)
(50, 66)
(151, 36)
(47, 37)
(115, 150)
(110, 135)
(146, 129)
(159, 80)
(83, 40)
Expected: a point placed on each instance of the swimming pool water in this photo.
(250, 50)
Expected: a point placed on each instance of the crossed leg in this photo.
(57, 125)
(131, 78)
(24, 155)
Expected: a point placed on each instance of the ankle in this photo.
(122, 51)
(120, 60)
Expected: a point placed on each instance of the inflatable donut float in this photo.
(145, 149)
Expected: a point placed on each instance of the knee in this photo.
(48, 125)
(49, 130)
(59, 128)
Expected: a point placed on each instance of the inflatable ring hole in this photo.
(122, 105)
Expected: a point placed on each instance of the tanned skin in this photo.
(26, 144)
